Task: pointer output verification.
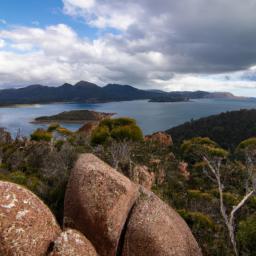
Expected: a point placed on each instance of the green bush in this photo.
(246, 235)
(118, 129)
(194, 149)
(64, 131)
(127, 132)
(122, 121)
(246, 148)
(197, 220)
(100, 135)
(53, 127)
(199, 195)
(41, 135)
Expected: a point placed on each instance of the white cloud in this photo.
(167, 44)
(2, 43)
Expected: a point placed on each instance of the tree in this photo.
(214, 167)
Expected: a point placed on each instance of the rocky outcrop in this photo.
(115, 216)
(183, 168)
(97, 202)
(27, 227)
(141, 175)
(156, 229)
(72, 243)
(161, 138)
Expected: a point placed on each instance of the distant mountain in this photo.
(88, 92)
(204, 94)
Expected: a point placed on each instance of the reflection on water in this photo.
(150, 116)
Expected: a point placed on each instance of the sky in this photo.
(165, 44)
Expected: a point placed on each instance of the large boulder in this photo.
(156, 229)
(160, 137)
(27, 227)
(97, 202)
(71, 242)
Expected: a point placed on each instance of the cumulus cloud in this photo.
(169, 44)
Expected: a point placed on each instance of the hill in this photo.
(227, 129)
(91, 93)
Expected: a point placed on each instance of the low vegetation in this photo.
(211, 187)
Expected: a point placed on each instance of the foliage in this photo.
(100, 135)
(119, 129)
(41, 135)
(246, 148)
(246, 235)
(43, 164)
(195, 149)
(227, 129)
(53, 127)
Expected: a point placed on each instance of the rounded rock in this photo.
(97, 202)
(27, 226)
(160, 137)
(71, 242)
(154, 228)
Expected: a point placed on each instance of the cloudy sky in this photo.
(163, 44)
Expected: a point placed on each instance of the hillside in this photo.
(217, 128)
(91, 93)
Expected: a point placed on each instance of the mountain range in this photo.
(89, 92)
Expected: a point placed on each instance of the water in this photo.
(150, 116)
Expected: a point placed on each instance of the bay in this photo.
(150, 116)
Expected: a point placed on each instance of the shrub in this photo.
(246, 235)
(64, 131)
(197, 220)
(53, 127)
(18, 177)
(246, 148)
(194, 149)
(100, 135)
(41, 135)
(127, 132)
(199, 195)
(122, 121)
(119, 129)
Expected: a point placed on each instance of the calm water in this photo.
(150, 116)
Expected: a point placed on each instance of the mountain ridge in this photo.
(84, 91)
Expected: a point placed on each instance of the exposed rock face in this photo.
(183, 168)
(141, 175)
(72, 243)
(160, 137)
(156, 229)
(97, 202)
(27, 227)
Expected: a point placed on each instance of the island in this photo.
(74, 116)
(169, 99)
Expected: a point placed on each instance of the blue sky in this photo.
(42, 13)
(164, 44)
